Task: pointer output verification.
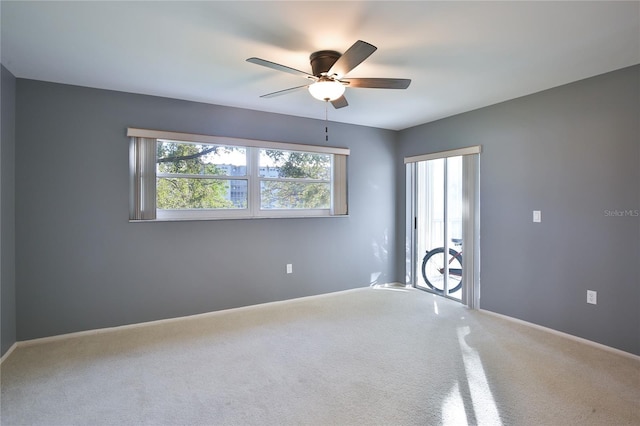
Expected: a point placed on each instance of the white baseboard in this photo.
(6, 354)
(93, 332)
(565, 335)
(37, 341)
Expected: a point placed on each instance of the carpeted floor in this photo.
(366, 356)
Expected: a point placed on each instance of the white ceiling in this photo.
(460, 55)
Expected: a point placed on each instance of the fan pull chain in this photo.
(326, 121)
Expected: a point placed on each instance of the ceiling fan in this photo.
(327, 83)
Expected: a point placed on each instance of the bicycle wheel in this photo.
(433, 270)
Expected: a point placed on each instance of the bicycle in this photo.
(433, 268)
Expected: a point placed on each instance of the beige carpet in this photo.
(365, 356)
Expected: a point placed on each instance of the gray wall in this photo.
(7, 212)
(80, 263)
(572, 152)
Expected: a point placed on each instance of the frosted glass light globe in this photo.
(326, 90)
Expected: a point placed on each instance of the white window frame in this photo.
(143, 178)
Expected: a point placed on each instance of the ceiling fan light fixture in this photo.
(326, 90)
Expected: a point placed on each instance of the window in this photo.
(294, 180)
(178, 176)
(200, 176)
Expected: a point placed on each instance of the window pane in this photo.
(181, 193)
(200, 159)
(294, 195)
(294, 164)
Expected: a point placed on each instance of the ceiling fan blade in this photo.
(284, 92)
(341, 102)
(358, 52)
(378, 83)
(279, 67)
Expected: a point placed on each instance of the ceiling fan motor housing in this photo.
(322, 61)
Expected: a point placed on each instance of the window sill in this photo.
(201, 219)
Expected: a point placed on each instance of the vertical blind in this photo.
(142, 156)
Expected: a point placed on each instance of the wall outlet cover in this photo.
(537, 216)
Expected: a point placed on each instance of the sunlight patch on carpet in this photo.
(484, 404)
(453, 413)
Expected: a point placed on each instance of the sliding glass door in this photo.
(442, 231)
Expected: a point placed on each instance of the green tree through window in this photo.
(303, 180)
(187, 177)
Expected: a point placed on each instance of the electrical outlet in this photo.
(289, 268)
(592, 297)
